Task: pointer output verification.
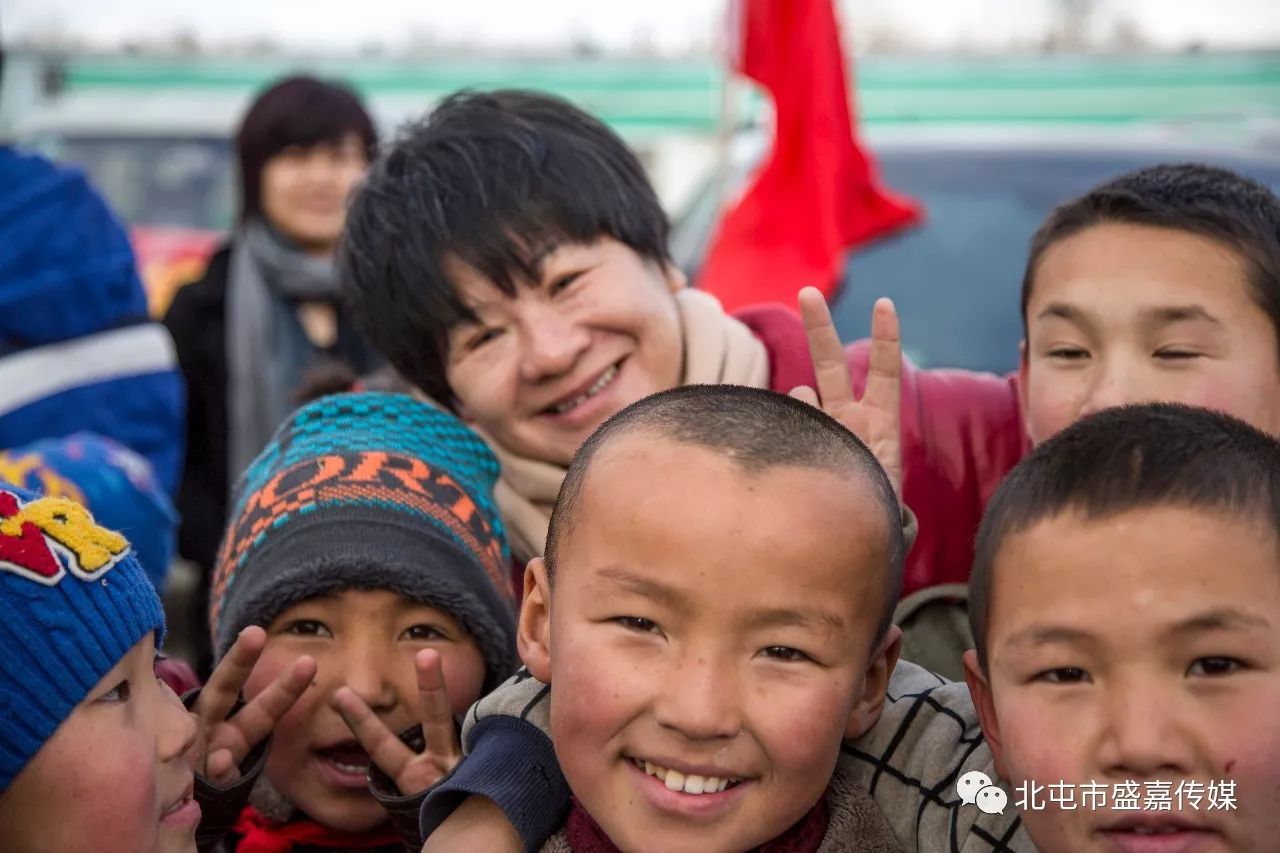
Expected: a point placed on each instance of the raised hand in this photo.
(876, 418)
(225, 738)
(412, 772)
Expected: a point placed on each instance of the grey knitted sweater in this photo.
(927, 737)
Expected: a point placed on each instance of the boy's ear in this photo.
(533, 635)
(980, 692)
(875, 683)
(1024, 376)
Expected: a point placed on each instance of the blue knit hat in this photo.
(369, 491)
(116, 484)
(73, 601)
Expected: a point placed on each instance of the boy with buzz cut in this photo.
(713, 618)
(1126, 605)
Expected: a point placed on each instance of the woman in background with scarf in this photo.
(267, 310)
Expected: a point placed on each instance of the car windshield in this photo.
(168, 181)
(957, 279)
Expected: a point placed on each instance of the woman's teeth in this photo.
(600, 384)
(677, 781)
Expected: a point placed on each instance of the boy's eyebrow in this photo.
(1063, 311)
(643, 586)
(799, 617)
(1221, 618)
(1180, 314)
(1043, 635)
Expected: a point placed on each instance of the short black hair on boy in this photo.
(1127, 458)
(296, 111)
(758, 430)
(1241, 214)
(494, 180)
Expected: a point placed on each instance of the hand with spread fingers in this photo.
(876, 418)
(413, 772)
(226, 735)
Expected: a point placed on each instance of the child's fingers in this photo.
(805, 394)
(385, 749)
(883, 393)
(259, 716)
(222, 691)
(437, 714)
(884, 371)
(221, 767)
(829, 366)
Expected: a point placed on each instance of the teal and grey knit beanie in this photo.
(73, 601)
(369, 491)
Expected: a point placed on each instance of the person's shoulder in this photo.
(926, 718)
(208, 291)
(781, 331)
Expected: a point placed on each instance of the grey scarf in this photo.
(267, 349)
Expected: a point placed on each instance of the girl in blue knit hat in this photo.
(365, 536)
(96, 753)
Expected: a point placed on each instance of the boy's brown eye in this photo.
(1064, 675)
(1068, 353)
(120, 693)
(785, 653)
(308, 628)
(638, 623)
(1215, 666)
(424, 633)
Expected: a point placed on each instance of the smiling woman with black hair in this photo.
(268, 309)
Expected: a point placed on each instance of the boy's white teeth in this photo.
(691, 784)
(350, 768)
(599, 385)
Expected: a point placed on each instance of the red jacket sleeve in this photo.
(961, 432)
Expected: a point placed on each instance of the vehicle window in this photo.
(176, 182)
(957, 279)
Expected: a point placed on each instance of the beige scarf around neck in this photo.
(718, 350)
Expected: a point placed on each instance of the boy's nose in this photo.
(177, 728)
(700, 701)
(366, 675)
(1113, 386)
(1143, 737)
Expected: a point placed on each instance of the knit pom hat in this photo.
(114, 483)
(369, 491)
(73, 601)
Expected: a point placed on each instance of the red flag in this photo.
(818, 194)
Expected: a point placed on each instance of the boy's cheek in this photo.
(1051, 405)
(1040, 742)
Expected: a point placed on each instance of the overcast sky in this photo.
(674, 25)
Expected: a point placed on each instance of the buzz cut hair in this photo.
(757, 430)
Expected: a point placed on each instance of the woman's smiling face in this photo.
(543, 368)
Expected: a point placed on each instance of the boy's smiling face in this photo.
(1123, 313)
(708, 630)
(545, 367)
(1143, 646)
(116, 777)
(366, 640)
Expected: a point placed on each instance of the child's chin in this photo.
(349, 813)
(177, 842)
